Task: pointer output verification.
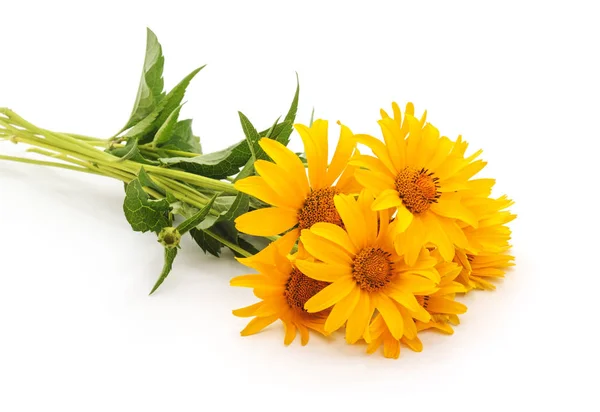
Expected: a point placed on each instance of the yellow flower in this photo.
(297, 200)
(283, 291)
(425, 177)
(365, 272)
(439, 303)
(487, 257)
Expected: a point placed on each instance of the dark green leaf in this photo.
(283, 136)
(170, 255)
(150, 91)
(165, 131)
(206, 243)
(142, 213)
(196, 219)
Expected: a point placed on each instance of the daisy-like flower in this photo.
(298, 201)
(365, 272)
(424, 177)
(440, 305)
(487, 257)
(283, 290)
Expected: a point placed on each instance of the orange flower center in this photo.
(300, 288)
(372, 269)
(319, 207)
(418, 189)
(423, 301)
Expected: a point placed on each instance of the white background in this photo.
(77, 329)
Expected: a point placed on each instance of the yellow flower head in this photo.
(425, 177)
(440, 305)
(365, 272)
(283, 291)
(298, 200)
(486, 257)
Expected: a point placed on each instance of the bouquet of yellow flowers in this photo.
(378, 244)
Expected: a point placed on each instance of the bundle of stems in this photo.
(88, 155)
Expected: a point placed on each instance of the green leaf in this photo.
(252, 137)
(165, 131)
(222, 225)
(146, 128)
(130, 151)
(283, 136)
(170, 255)
(217, 165)
(150, 91)
(239, 206)
(312, 117)
(197, 218)
(183, 139)
(146, 181)
(206, 243)
(142, 213)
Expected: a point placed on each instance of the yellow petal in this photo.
(378, 149)
(353, 219)
(391, 348)
(335, 234)
(330, 295)
(442, 305)
(323, 271)
(374, 181)
(315, 147)
(269, 221)
(247, 311)
(257, 187)
(342, 310)
(391, 315)
(450, 206)
(371, 163)
(386, 200)
(437, 235)
(258, 324)
(359, 320)
(281, 182)
(404, 298)
(324, 249)
(304, 336)
(290, 332)
(394, 141)
(415, 343)
(404, 218)
(248, 281)
(343, 152)
(287, 160)
(416, 284)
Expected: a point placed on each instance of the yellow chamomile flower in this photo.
(425, 177)
(297, 200)
(283, 291)
(365, 272)
(438, 302)
(487, 257)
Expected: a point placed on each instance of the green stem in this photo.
(50, 164)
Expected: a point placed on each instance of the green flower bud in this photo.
(169, 237)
